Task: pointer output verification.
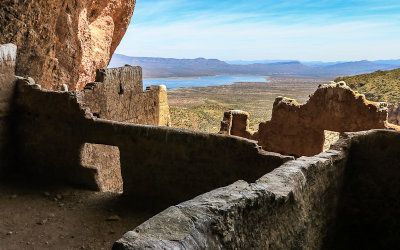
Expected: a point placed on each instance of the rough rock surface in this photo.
(64, 41)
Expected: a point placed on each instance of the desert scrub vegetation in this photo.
(204, 118)
(382, 86)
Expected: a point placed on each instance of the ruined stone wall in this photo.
(296, 206)
(64, 41)
(155, 161)
(7, 86)
(118, 95)
(298, 129)
(236, 122)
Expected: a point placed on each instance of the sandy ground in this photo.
(65, 218)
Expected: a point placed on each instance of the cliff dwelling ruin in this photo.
(272, 189)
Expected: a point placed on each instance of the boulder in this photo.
(64, 41)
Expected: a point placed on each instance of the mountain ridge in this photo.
(158, 67)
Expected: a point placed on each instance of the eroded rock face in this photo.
(64, 41)
(297, 129)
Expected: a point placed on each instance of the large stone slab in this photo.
(64, 41)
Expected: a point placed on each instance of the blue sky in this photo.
(307, 30)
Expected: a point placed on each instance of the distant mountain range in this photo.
(154, 67)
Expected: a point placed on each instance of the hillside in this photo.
(377, 86)
(154, 67)
(354, 68)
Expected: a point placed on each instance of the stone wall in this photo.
(64, 41)
(155, 161)
(296, 206)
(7, 86)
(118, 95)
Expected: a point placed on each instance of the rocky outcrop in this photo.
(65, 41)
(298, 130)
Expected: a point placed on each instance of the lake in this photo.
(173, 83)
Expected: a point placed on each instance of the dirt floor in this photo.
(34, 217)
